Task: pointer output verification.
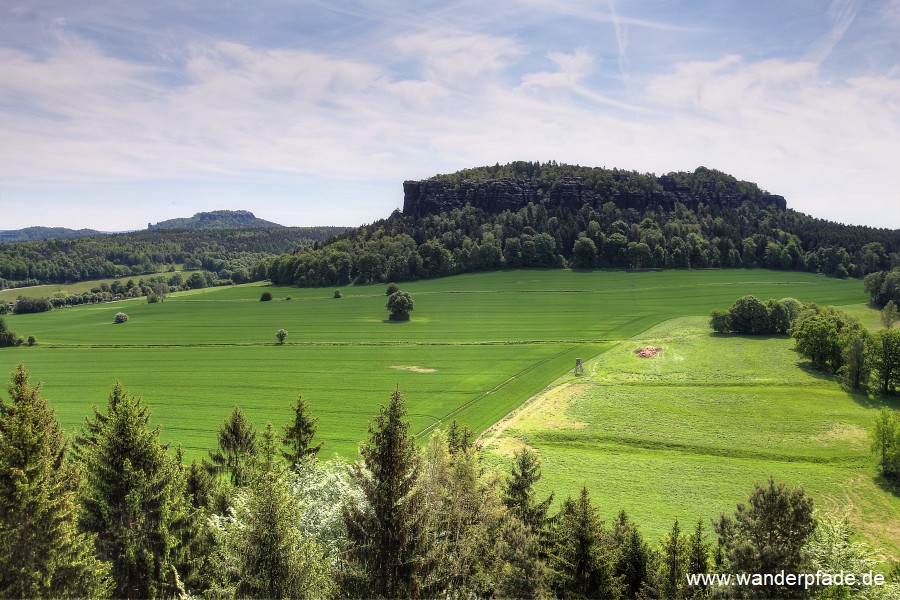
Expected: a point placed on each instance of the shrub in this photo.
(337, 293)
(281, 334)
(400, 304)
(391, 289)
(32, 340)
(720, 321)
(152, 299)
(31, 305)
(120, 318)
(266, 297)
(8, 337)
(288, 298)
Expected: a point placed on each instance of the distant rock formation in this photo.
(436, 195)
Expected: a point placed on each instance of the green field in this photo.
(687, 433)
(476, 348)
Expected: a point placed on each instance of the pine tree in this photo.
(697, 552)
(769, 534)
(674, 556)
(237, 449)
(520, 572)
(386, 530)
(131, 498)
(580, 559)
(519, 494)
(632, 563)
(298, 435)
(42, 554)
(273, 558)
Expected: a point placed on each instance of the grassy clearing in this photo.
(687, 433)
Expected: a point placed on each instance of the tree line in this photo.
(742, 233)
(113, 513)
(831, 339)
(138, 253)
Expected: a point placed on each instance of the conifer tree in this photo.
(632, 563)
(674, 557)
(386, 530)
(520, 570)
(131, 498)
(299, 434)
(272, 557)
(237, 449)
(519, 494)
(697, 552)
(42, 554)
(580, 559)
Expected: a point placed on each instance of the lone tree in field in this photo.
(281, 334)
(265, 297)
(400, 304)
(120, 318)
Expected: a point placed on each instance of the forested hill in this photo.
(230, 253)
(217, 219)
(527, 214)
(42, 233)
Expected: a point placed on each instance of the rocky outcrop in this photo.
(434, 196)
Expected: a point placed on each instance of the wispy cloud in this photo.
(841, 14)
(359, 101)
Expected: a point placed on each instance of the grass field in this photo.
(696, 433)
(687, 433)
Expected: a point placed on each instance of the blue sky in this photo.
(113, 114)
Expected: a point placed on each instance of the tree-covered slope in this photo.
(528, 214)
(125, 254)
(43, 233)
(217, 219)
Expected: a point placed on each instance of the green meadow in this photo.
(685, 434)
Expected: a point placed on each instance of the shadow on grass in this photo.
(747, 336)
(887, 485)
(393, 322)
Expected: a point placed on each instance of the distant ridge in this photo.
(30, 234)
(217, 219)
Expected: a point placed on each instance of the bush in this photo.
(281, 334)
(400, 304)
(31, 305)
(266, 297)
(392, 289)
(720, 321)
(288, 298)
(120, 318)
(32, 340)
(152, 299)
(8, 337)
(337, 293)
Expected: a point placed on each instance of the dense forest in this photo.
(220, 251)
(549, 215)
(113, 513)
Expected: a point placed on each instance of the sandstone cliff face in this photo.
(433, 196)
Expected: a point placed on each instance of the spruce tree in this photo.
(273, 559)
(698, 553)
(632, 563)
(386, 530)
(42, 554)
(299, 434)
(131, 498)
(237, 449)
(580, 558)
(674, 557)
(519, 494)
